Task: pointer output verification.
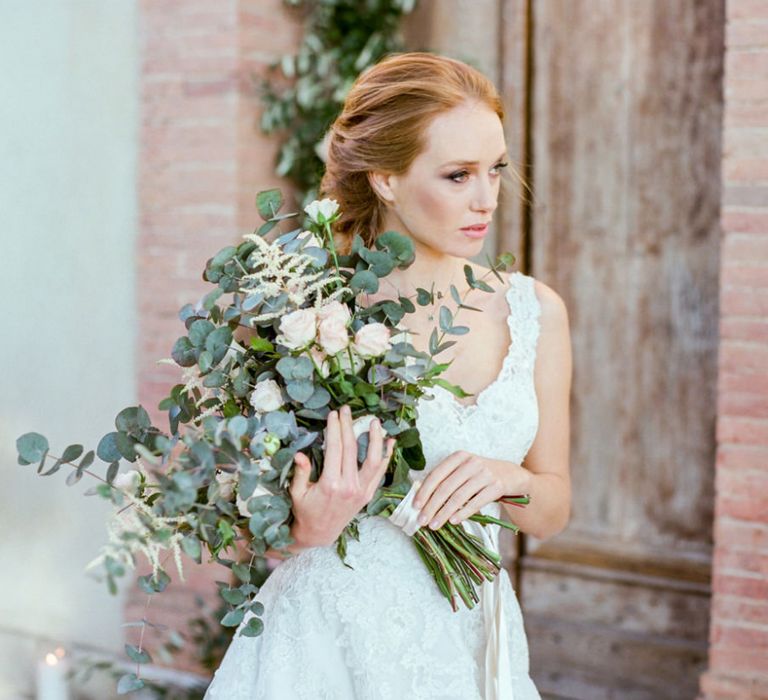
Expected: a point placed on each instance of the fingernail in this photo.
(417, 504)
(433, 525)
(422, 519)
(454, 519)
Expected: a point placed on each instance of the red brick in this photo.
(735, 533)
(749, 431)
(746, 169)
(748, 329)
(725, 607)
(747, 142)
(752, 509)
(741, 562)
(750, 405)
(735, 636)
(733, 461)
(734, 221)
(752, 63)
(744, 586)
(742, 356)
(745, 247)
(743, 301)
(749, 10)
(745, 34)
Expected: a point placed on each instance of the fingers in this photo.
(458, 499)
(486, 496)
(300, 481)
(333, 449)
(438, 474)
(349, 447)
(376, 462)
(460, 475)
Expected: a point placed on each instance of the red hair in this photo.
(382, 128)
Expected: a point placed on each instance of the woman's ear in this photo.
(381, 184)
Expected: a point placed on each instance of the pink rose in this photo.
(333, 335)
(335, 310)
(372, 340)
(298, 328)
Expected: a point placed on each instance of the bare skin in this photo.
(452, 184)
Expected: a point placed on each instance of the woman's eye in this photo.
(499, 166)
(455, 176)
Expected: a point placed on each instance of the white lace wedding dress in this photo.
(382, 629)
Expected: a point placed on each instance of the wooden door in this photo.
(621, 141)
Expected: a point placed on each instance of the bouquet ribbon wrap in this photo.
(498, 674)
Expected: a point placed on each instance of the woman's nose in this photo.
(485, 195)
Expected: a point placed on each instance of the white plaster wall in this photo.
(68, 216)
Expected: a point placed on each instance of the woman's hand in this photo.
(463, 483)
(324, 508)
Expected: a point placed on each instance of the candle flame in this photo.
(51, 659)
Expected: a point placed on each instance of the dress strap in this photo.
(523, 320)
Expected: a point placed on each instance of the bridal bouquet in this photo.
(279, 342)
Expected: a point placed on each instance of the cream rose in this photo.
(372, 340)
(333, 335)
(322, 211)
(298, 328)
(334, 310)
(266, 396)
(127, 481)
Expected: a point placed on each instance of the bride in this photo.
(419, 148)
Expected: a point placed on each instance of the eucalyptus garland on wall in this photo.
(341, 39)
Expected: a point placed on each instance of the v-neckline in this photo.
(470, 408)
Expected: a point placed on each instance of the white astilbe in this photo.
(129, 534)
(280, 272)
(192, 380)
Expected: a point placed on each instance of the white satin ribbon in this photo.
(498, 674)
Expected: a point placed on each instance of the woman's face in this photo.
(453, 184)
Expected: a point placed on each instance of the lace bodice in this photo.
(381, 629)
(503, 421)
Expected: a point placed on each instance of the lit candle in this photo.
(52, 677)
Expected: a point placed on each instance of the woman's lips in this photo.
(475, 231)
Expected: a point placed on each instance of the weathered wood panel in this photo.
(625, 132)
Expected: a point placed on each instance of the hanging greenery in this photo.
(341, 39)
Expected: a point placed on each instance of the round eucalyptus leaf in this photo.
(183, 352)
(199, 331)
(300, 389)
(253, 628)
(397, 245)
(124, 446)
(107, 450)
(237, 427)
(87, 461)
(269, 202)
(286, 366)
(364, 281)
(224, 255)
(128, 683)
(320, 397)
(32, 447)
(214, 380)
(140, 656)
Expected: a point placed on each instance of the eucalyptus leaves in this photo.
(279, 342)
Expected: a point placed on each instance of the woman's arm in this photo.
(464, 482)
(548, 460)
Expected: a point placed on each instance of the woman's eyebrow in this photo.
(469, 162)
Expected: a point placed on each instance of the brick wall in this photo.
(738, 659)
(202, 160)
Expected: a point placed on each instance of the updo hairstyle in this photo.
(382, 128)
